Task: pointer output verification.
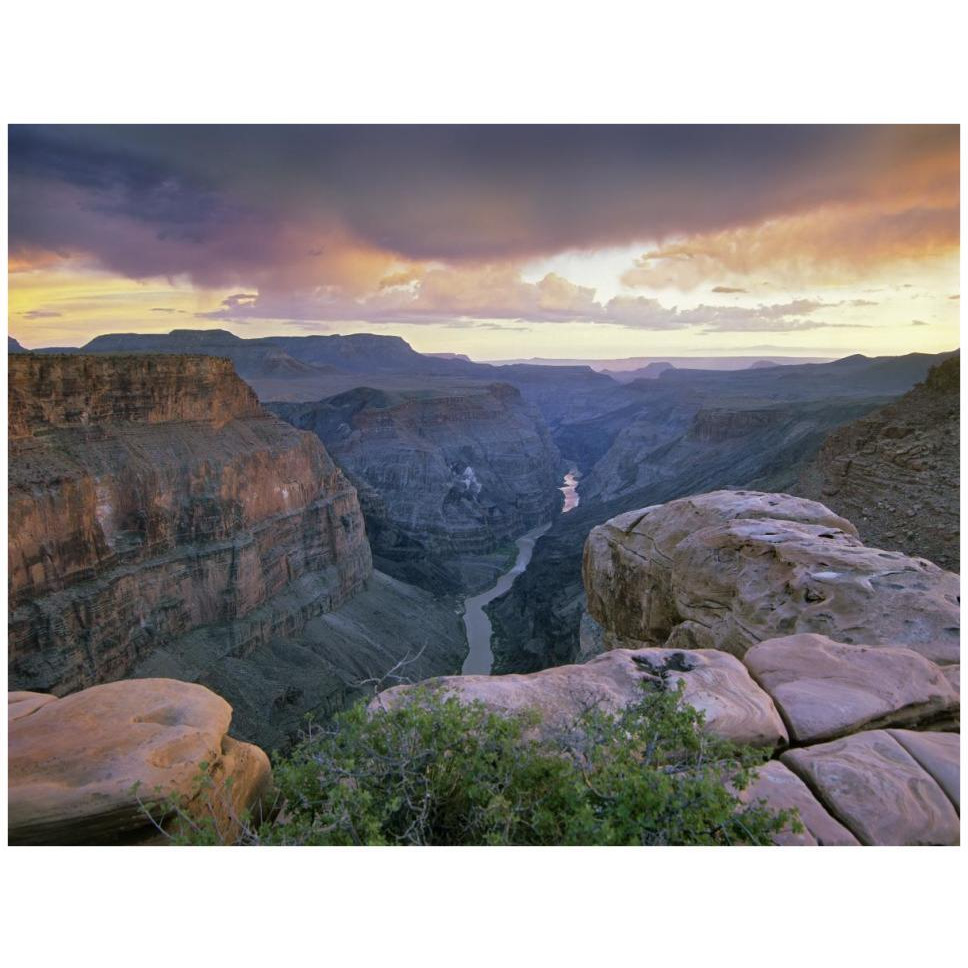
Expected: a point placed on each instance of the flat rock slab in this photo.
(73, 762)
(876, 789)
(784, 790)
(716, 683)
(825, 689)
(939, 754)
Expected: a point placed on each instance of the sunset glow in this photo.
(497, 242)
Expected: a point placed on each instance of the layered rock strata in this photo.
(105, 765)
(162, 524)
(150, 496)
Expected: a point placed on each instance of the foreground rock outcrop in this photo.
(876, 788)
(89, 768)
(894, 472)
(858, 707)
(163, 524)
(731, 568)
(825, 689)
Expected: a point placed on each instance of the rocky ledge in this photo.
(859, 707)
(104, 765)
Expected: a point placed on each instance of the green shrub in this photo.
(433, 771)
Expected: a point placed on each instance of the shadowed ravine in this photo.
(478, 625)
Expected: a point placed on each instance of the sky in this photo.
(495, 241)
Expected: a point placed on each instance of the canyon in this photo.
(221, 538)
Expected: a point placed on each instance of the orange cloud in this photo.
(828, 245)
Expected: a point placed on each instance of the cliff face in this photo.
(150, 496)
(894, 472)
(441, 476)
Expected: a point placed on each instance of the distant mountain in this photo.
(763, 364)
(253, 359)
(450, 356)
(651, 371)
(626, 364)
(14, 347)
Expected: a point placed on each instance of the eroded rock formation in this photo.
(97, 767)
(150, 496)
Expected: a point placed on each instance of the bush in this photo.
(433, 771)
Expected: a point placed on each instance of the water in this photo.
(476, 623)
(570, 491)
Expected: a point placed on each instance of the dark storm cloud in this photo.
(276, 205)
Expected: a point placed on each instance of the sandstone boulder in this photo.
(825, 689)
(74, 762)
(783, 790)
(729, 569)
(715, 683)
(871, 784)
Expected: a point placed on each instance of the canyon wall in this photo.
(895, 472)
(442, 476)
(158, 514)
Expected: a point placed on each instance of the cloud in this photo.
(956, 296)
(482, 295)
(861, 302)
(728, 289)
(283, 208)
(165, 309)
(40, 314)
(918, 322)
(834, 243)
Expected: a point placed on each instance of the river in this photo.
(477, 624)
(570, 490)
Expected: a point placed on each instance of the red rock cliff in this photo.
(151, 495)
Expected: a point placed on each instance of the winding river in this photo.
(477, 624)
